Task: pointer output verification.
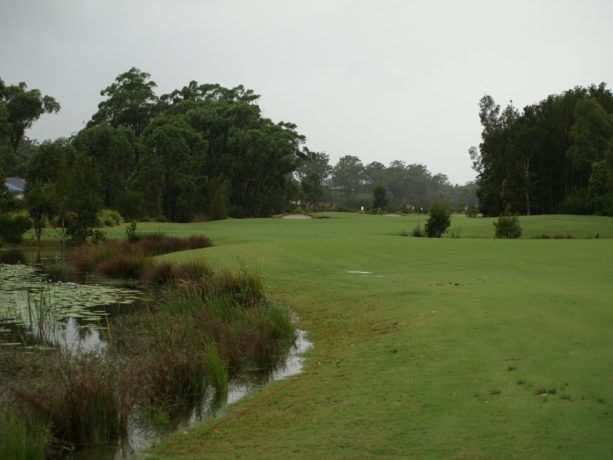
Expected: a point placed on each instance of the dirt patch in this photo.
(297, 216)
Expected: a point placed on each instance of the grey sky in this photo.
(382, 80)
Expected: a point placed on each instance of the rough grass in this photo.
(412, 359)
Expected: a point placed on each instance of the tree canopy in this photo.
(553, 156)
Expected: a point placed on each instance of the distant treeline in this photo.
(552, 157)
(199, 152)
(350, 185)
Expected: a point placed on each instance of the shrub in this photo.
(124, 266)
(417, 231)
(507, 227)
(156, 244)
(87, 256)
(159, 274)
(13, 226)
(472, 211)
(116, 259)
(131, 234)
(109, 218)
(439, 220)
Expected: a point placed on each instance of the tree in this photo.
(541, 160)
(40, 204)
(314, 163)
(312, 190)
(171, 173)
(63, 187)
(348, 174)
(590, 133)
(130, 102)
(379, 201)
(220, 192)
(82, 198)
(22, 108)
(439, 220)
(113, 153)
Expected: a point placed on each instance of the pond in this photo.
(42, 306)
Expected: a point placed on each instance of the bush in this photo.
(124, 266)
(439, 220)
(131, 234)
(417, 231)
(109, 218)
(13, 226)
(472, 211)
(507, 227)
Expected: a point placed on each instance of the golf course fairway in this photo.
(464, 348)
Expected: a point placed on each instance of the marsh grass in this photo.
(204, 328)
(80, 398)
(21, 438)
(124, 266)
(130, 260)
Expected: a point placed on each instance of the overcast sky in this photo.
(381, 80)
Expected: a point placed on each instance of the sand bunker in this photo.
(391, 214)
(297, 216)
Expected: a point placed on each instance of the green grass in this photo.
(423, 356)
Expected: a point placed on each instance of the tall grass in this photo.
(79, 396)
(117, 259)
(21, 438)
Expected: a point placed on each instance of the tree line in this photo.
(200, 152)
(555, 156)
(351, 185)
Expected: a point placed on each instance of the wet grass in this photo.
(403, 344)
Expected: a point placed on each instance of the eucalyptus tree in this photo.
(21, 108)
(314, 163)
(348, 174)
(113, 151)
(63, 187)
(171, 171)
(547, 158)
(130, 102)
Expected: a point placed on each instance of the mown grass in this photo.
(413, 359)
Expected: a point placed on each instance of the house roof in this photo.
(15, 184)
